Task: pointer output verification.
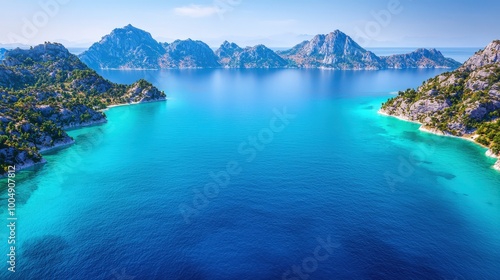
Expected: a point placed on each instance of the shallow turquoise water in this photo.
(126, 200)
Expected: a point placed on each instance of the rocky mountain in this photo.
(339, 51)
(334, 51)
(464, 102)
(124, 48)
(188, 54)
(226, 52)
(2, 52)
(132, 48)
(232, 56)
(421, 58)
(45, 90)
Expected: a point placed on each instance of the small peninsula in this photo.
(463, 103)
(45, 90)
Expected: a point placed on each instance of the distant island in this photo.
(463, 103)
(45, 90)
(133, 48)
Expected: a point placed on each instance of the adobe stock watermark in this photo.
(249, 149)
(380, 20)
(30, 28)
(224, 6)
(310, 264)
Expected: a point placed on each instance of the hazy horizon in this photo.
(280, 24)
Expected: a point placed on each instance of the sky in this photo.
(276, 23)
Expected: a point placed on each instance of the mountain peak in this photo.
(489, 55)
(126, 47)
(337, 32)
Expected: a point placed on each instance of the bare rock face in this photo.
(490, 55)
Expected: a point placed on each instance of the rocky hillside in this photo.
(188, 54)
(421, 58)
(465, 102)
(45, 90)
(226, 52)
(132, 48)
(232, 56)
(124, 48)
(335, 51)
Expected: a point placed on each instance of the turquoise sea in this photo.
(259, 174)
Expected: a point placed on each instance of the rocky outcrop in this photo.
(232, 56)
(465, 102)
(490, 55)
(142, 91)
(421, 58)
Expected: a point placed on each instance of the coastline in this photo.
(133, 103)
(470, 138)
(70, 142)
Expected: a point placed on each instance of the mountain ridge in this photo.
(335, 50)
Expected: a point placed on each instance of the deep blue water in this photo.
(135, 198)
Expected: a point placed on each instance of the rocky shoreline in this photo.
(69, 142)
(435, 131)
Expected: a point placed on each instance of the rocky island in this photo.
(463, 103)
(45, 90)
(231, 55)
(133, 48)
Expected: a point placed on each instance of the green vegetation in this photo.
(463, 102)
(489, 135)
(46, 89)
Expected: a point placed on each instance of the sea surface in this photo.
(259, 174)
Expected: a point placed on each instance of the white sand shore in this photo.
(134, 103)
(471, 138)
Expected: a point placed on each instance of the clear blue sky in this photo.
(278, 23)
